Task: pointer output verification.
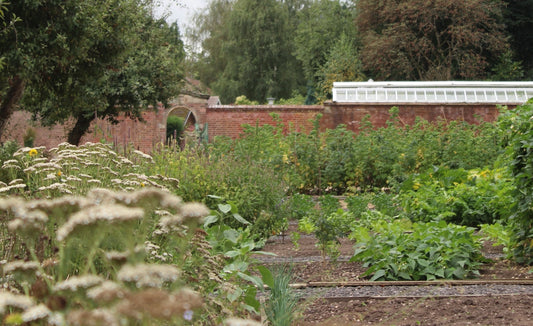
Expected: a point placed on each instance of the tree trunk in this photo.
(80, 128)
(13, 95)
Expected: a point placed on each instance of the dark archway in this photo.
(179, 120)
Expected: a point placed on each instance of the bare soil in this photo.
(308, 265)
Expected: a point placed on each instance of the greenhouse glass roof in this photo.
(433, 92)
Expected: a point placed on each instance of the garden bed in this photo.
(492, 303)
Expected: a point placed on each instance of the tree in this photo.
(209, 36)
(518, 18)
(320, 26)
(342, 64)
(259, 56)
(88, 59)
(430, 40)
(247, 49)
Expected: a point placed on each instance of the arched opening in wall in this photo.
(179, 121)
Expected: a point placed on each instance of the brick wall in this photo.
(227, 120)
(352, 114)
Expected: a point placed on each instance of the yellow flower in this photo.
(32, 152)
(142, 184)
(59, 173)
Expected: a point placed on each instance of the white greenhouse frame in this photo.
(433, 92)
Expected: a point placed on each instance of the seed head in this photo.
(8, 299)
(148, 275)
(75, 283)
(240, 322)
(92, 317)
(106, 292)
(95, 216)
(158, 304)
(35, 313)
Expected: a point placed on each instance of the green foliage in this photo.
(422, 252)
(517, 22)
(130, 221)
(256, 191)
(320, 26)
(507, 69)
(243, 100)
(7, 150)
(282, 303)
(328, 222)
(339, 161)
(295, 99)
(378, 201)
(342, 64)
(430, 40)
(120, 62)
(517, 134)
(237, 245)
(29, 137)
(174, 127)
(455, 195)
(258, 67)
(500, 235)
(298, 206)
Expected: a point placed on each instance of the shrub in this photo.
(425, 251)
(517, 134)
(455, 195)
(6, 153)
(174, 127)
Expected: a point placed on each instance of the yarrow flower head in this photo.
(8, 299)
(94, 216)
(75, 283)
(35, 313)
(106, 292)
(98, 316)
(148, 275)
(240, 322)
(159, 304)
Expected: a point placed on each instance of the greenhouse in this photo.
(433, 92)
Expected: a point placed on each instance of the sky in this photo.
(180, 10)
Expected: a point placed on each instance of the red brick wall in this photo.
(352, 114)
(228, 120)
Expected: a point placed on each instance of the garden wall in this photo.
(227, 120)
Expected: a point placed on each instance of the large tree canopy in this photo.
(320, 26)
(258, 51)
(247, 49)
(86, 59)
(519, 24)
(430, 40)
(208, 38)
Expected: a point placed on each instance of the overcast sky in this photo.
(180, 10)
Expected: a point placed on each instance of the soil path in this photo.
(379, 304)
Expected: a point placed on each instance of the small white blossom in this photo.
(8, 299)
(78, 282)
(148, 275)
(35, 313)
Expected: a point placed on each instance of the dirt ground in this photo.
(308, 266)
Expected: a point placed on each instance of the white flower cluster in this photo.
(8, 299)
(35, 313)
(91, 216)
(20, 265)
(148, 275)
(75, 283)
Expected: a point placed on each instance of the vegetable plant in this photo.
(426, 251)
